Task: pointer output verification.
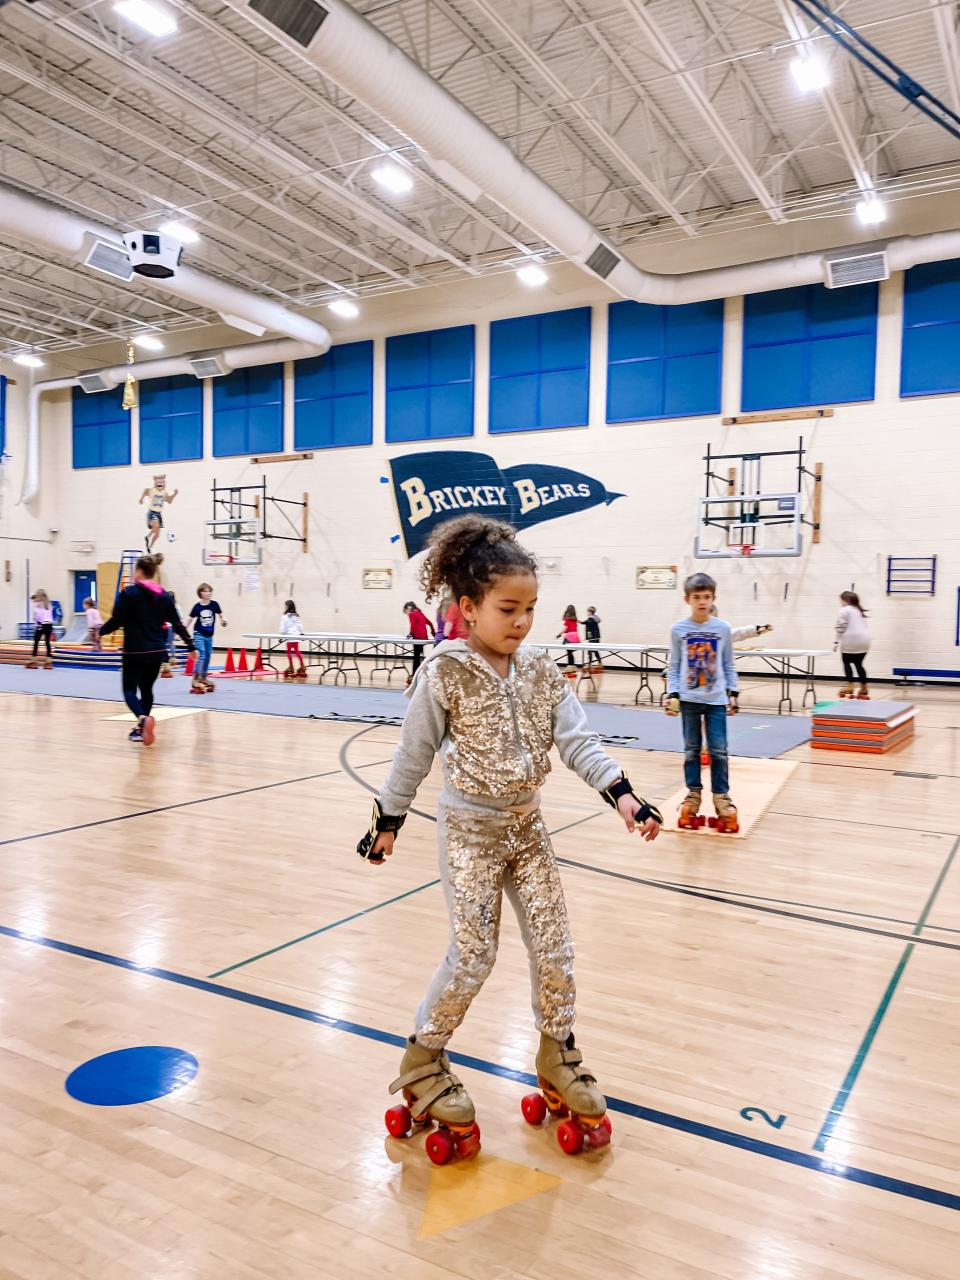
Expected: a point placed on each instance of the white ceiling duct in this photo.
(98, 380)
(350, 50)
(24, 217)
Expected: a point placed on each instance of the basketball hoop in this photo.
(742, 548)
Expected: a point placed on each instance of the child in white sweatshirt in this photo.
(853, 641)
(292, 627)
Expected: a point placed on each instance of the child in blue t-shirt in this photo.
(702, 688)
(205, 613)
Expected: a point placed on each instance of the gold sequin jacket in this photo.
(493, 735)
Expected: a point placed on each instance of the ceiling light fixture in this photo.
(810, 73)
(871, 211)
(147, 342)
(392, 178)
(532, 275)
(345, 308)
(181, 231)
(148, 17)
(28, 360)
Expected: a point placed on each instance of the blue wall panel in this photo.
(333, 398)
(248, 411)
(540, 371)
(809, 345)
(930, 361)
(430, 380)
(663, 362)
(101, 430)
(171, 419)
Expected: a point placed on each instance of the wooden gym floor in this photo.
(775, 1019)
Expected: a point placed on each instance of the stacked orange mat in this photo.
(874, 727)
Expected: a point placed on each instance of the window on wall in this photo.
(248, 411)
(930, 361)
(430, 385)
(663, 362)
(171, 419)
(333, 398)
(540, 371)
(101, 430)
(810, 345)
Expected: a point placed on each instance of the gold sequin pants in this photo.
(484, 854)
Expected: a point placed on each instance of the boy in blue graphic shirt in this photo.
(702, 685)
(204, 613)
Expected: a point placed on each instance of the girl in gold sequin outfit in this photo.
(492, 711)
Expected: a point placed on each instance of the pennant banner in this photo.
(433, 487)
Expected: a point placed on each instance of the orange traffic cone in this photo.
(229, 668)
(191, 663)
(242, 665)
(258, 666)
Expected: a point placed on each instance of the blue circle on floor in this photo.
(126, 1076)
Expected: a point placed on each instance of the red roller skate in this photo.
(726, 820)
(432, 1095)
(570, 1093)
(691, 819)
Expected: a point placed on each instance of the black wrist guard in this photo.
(733, 693)
(379, 821)
(622, 787)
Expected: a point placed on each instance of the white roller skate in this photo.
(432, 1095)
(569, 1091)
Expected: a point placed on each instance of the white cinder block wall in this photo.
(892, 475)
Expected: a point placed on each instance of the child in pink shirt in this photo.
(94, 622)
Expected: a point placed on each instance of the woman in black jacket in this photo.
(143, 610)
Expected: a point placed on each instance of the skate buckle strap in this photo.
(573, 1058)
(438, 1070)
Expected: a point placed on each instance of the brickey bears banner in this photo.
(433, 487)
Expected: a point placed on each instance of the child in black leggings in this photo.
(853, 641)
(42, 629)
(143, 610)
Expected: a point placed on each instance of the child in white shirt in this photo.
(291, 626)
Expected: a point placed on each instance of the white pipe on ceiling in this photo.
(24, 217)
(352, 52)
(244, 357)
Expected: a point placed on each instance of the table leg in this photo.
(784, 687)
(810, 688)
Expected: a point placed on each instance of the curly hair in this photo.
(148, 565)
(466, 556)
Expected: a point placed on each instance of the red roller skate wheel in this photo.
(399, 1122)
(468, 1145)
(441, 1146)
(598, 1136)
(534, 1108)
(570, 1137)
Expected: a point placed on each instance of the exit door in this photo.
(84, 585)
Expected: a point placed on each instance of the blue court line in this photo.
(711, 1133)
(860, 1057)
(323, 929)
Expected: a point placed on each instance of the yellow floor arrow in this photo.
(463, 1191)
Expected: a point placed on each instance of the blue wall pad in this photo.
(127, 1076)
(758, 736)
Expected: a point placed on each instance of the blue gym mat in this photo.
(757, 736)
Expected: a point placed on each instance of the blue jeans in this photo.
(714, 717)
(204, 653)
